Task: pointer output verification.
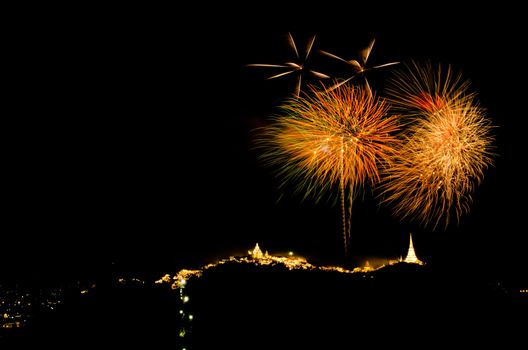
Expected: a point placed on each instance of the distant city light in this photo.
(191, 317)
(290, 253)
(185, 299)
(16, 308)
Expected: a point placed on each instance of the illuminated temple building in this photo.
(256, 253)
(411, 257)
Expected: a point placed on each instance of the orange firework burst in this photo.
(332, 139)
(446, 150)
(416, 91)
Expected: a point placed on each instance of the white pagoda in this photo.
(411, 257)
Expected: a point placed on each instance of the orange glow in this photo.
(427, 102)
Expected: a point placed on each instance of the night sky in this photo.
(129, 139)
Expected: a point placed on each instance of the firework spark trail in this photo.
(294, 67)
(327, 139)
(416, 90)
(358, 66)
(446, 149)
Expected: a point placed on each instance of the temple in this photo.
(411, 257)
(257, 253)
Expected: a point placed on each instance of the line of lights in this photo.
(256, 257)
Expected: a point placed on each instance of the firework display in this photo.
(336, 139)
(429, 141)
(447, 146)
(293, 67)
(359, 67)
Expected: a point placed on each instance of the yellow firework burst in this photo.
(446, 148)
(336, 139)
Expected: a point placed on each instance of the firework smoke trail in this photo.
(446, 148)
(331, 139)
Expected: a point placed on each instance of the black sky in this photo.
(129, 136)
